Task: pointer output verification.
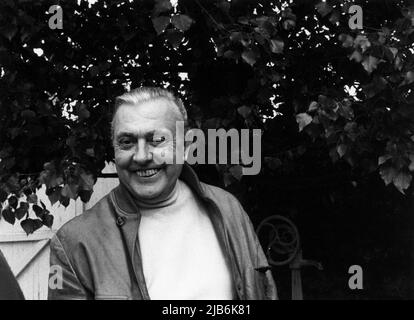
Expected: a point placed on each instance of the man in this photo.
(161, 234)
(9, 287)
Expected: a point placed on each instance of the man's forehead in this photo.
(156, 108)
(144, 116)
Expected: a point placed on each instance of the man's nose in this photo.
(142, 153)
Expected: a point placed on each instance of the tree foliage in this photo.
(321, 92)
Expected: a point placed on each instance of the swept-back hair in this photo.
(145, 94)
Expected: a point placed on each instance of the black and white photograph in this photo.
(206, 153)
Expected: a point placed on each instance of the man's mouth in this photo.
(147, 173)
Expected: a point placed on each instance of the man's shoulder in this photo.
(216, 192)
(87, 223)
(226, 201)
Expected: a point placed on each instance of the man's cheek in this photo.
(122, 158)
(164, 155)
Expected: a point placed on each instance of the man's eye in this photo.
(125, 142)
(158, 139)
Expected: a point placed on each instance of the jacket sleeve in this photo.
(263, 269)
(9, 287)
(63, 281)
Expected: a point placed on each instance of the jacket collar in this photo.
(124, 201)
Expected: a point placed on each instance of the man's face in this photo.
(143, 139)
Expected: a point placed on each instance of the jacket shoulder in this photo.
(85, 224)
(226, 201)
(217, 192)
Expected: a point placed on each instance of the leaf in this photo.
(289, 24)
(341, 149)
(28, 114)
(8, 215)
(272, 162)
(323, 8)
(27, 191)
(243, 20)
(3, 195)
(224, 5)
(376, 86)
(22, 210)
(64, 201)
(90, 152)
(83, 112)
(356, 56)
(370, 63)
(244, 111)
(388, 174)
(409, 77)
(69, 191)
(160, 23)
(303, 119)
(394, 51)
(402, 181)
(182, 22)
(313, 106)
(236, 171)
(333, 154)
(9, 31)
(31, 225)
(227, 179)
(85, 195)
(48, 220)
(13, 202)
(174, 37)
(334, 18)
(411, 166)
(87, 181)
(230, 54)
(40, 212)
(383, 159)
(236, 36)
(32, 198)
(276, 46)
(249, 56)
(162, 6)
(346, 39)
(345, 110)
(53, 194)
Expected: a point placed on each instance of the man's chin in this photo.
(146, 192)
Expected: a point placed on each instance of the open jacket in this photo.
(99, 253)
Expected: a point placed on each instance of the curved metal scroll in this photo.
(280, 238)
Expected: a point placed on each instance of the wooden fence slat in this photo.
(36, 250)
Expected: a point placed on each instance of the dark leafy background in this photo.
(338, 163)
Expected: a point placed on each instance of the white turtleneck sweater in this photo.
(181, 255)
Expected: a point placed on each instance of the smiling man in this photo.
(161, 234)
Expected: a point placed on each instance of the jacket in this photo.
(98, 252)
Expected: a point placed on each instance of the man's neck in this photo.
(160, 203)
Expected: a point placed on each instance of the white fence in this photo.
(28, 256)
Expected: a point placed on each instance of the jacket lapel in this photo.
(127, 220)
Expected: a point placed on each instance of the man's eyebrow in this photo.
(125, 134)
(147, 134)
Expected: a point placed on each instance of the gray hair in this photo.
(145, 94)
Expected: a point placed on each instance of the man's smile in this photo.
(147, 173)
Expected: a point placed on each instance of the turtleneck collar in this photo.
(172, 198)
(125, 203)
